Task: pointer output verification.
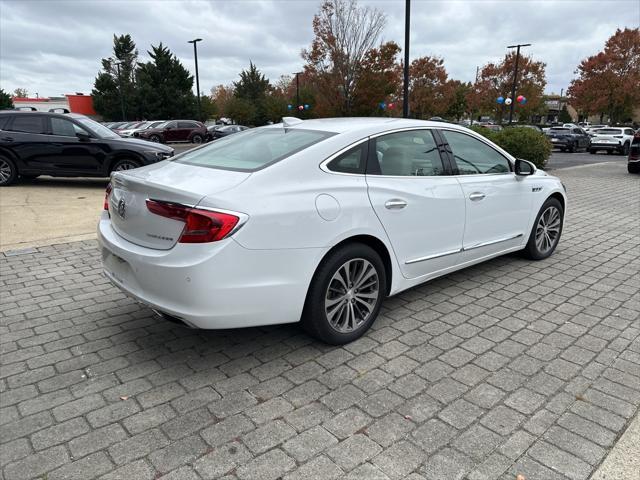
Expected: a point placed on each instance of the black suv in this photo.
(67, 145)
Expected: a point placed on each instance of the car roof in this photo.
(51, 114)
(365, 125)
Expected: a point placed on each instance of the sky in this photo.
(53, 47)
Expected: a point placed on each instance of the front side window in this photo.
(29, 124)
(473, 157)
(63, 127)
(254, 149)
(351, 161)
(412, 153)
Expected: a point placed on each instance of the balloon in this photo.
(507, 101)
(524, 100)
(383, 105)
(500, 100)
(300, 107)
(519, 98)
(391, 105)
(289, 107)
(306, 106)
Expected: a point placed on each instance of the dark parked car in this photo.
(633, 160)
(67, 145)
(222, 131)
(568, 138)
(176, 131)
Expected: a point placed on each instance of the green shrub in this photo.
(525, 143)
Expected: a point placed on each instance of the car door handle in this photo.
(476, 196)
(395, 204)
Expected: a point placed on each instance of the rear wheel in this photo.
(197, 138)
(633, 167)
(546, 231)
(125, 164)
(345, 294)
(8, 172)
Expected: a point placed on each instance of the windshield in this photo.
(559, 129)
(252, 150)
(609, 131)
(98, 130)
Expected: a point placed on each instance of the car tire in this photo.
(125, 164)
(197, 138)
(572, 148)
(155, 138)
(8, 171)
(335, 311)
(633, 167)
(546, 231)
(609, 152)
(625, 149)
(592, 151)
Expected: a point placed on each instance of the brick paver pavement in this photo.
(508, 367)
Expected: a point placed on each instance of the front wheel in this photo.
(345, 294)
(625, 149)
(8, 172)
(633, 167)
(155, 138)
(124, 164)
(546, 231)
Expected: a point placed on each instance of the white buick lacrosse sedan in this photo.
(319, 220)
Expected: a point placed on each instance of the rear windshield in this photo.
(254, 149)
(609, 131)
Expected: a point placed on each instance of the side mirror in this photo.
(83, 137)
(524, 167)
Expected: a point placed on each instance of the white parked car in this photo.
(612, 139)
(319, 220)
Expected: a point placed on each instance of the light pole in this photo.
(195, 54)
(515, 78)
(405, 88)
(117, 64)
(297, 74)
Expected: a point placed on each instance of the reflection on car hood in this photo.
(147, 145)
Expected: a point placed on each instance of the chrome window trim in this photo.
(480, 138)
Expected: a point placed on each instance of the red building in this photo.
(76, 103)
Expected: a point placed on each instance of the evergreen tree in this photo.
(114, 87)
(252, 89)
(564, 116)
(164, 86)
(5, 100)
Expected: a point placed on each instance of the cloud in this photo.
(54, 47)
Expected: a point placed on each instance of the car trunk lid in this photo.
(165, 182)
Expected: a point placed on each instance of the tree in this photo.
(458, 105)
(114, 88)
(495, 80)
(5, 100)
(344, 34)
(253, 88)
(563, 116)
(20, 93)
(165, 87)
(430, 92)
(609, 82)
(208, 106)
(379, 81)
(221, 96)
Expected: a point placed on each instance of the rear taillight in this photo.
(201, 226)
(107, 193)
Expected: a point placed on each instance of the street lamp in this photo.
(297, 74)
(195, 54)
(405, 88)
(117, 64)
(515, 78)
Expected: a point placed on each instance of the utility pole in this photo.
(195, 54)
(515, 78)
(405, 88)
(117, 64)
(297, 74)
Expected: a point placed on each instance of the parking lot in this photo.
(510, 367)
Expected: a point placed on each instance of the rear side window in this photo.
(254, 149)
(473, 156)
(351, 161)
(29, 124)
(187, 125)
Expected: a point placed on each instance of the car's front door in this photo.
(73, 154)
(171, 132)
(418, 202)
(498, 202)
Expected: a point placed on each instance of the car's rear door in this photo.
(418, 202)
(498, 202)
(26, 136)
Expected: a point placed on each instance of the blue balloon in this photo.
(289, 107)
(524, 100)
(306, 106)
(500, 100)
(383, 105)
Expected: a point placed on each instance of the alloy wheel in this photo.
(5, 171)
(351, 295)
(125, 166)
(548, 229)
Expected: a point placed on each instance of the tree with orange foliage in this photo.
(609, 82)
(221, 97)
(430, 90)
(495, 80)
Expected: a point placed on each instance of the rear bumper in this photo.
(606, 146)
(560, 142)
(211, 286)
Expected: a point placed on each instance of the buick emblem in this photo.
(122, 208)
